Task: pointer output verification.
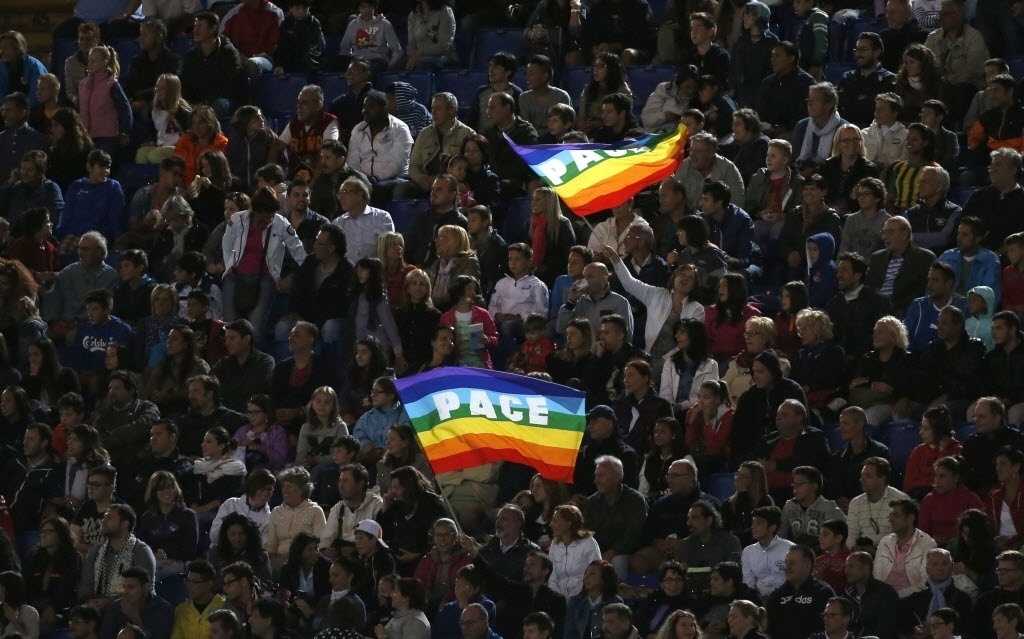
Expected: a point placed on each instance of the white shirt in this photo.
(260, 517)
(362, 231)
(569, 564)
(330, 133)
(383, 156)
(523, 296)
(764, 568)
(605, 235)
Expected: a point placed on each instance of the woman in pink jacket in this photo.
(102, 103)
(470, 345)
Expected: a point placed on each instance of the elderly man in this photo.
(63, 299)
(938, 592)
(960, 49)
(595, 301)
(704, 165)
(474, 623)
(900, 32)
(999, 204)
(900, 270)
(437, 141)
(380, 146)
(901, 555)
(306, 132)
(813, 135)
(603, 439)
(615, 513)
(934, 218)
(792, 607)
(362, 223)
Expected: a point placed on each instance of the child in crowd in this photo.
(947, 146)
(103, 105)
(457, 167)
(830, 565)
(100, 331)
(822, 279)
(94, 203)
(884, 140)
(517, 295)
(533, 354)
(300, 41)
(1013, 275)
(561, 118)
(169, 119)
(813, 36)
(981, 306)
(371, 37)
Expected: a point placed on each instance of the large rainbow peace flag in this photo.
(465, 417)
(593, 177)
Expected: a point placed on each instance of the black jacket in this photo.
(328, 301)
(955, 372)
(419, 245)
(193, 427)
(875, 611)
(755, 415)
(1004, 372)
(205, 79)
(131, 485)
(914, 609)
(321, 578)
(794, 613)
(979, 451)
(842, 477)
(144, 72)
(853, 321)
(810, 449)
(910, 279)
(583, 476)
(514, 598)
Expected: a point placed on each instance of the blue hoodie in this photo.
(980, 326)
(822, 281)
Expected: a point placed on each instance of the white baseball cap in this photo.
(371, 528)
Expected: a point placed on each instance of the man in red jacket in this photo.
(254, 27)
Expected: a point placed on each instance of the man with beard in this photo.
(101, 579)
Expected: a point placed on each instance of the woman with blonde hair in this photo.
(821, 366)
(847, 166)
(391, 253)
(551, 235)
(680, 624)
(759, 335)
(203, 134)
(454, 258)
(572, 550)
(169, 118)
(102, 103)
(416, 318)
(751, 484)
(747, 620)
(152, 330)
(881, 384)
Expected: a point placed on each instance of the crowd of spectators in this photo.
(200, 431)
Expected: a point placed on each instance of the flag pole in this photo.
(447, 505)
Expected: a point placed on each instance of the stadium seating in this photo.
(405, 212)
(902, 438)
(333, 84)
(463, 85)
(127, 49)
(491, 41)
(1016, 63)
(719, 485)
(517, 221)
(276, 94)
(834, 70)
(422, 80)
(574, 80)
(643, 81)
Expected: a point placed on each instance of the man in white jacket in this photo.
(884, 140)
(358, 502)
(380, 147)
(902, 554)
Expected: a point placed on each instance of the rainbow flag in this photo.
(593, 177)
(466, 417)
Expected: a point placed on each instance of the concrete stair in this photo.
(35, 19)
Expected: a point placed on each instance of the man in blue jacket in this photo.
(923, 313)
(972, 264)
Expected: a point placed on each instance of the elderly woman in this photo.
(882, 382)
(749, 143)
(454, 258)
(847, 166)
(297, 514)
(181, 233)
(254, 245)
(759, 334)
(821, 367)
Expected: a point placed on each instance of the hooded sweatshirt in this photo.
(407, 109)
(980, 326)
(373, 39)
(803, 525)
(822, 282)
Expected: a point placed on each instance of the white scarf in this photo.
(825, 135)
(108, 576)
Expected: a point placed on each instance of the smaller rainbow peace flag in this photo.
(593, 177)
(466, 417)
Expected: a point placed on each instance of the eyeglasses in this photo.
(1003, 571)
(800, 484)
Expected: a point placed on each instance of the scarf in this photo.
(105, 582)
(938, 594)
(818, 142)
(539, 237)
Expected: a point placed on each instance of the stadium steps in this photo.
(35, 19)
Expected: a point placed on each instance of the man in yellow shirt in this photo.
(191, 618)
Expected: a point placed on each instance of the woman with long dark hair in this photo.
(69, 148)
(169, 527)
(402, 450)
(410, 508)
(167, 386)
(482, 181)
(85, 452)
(570, 365)
(668, 444)
(262, 443)
(608, 77)
(249, 148)
(686, 366)
(547, 494)
(218, 475)
(370, 312)
(751, 491)
(473, 350)
(919, 79)
(600, 587)
(51, 572)
(43, 377)
(369, 361)
(974, 550)
(15, 416)
(211, 185)
(794, 298)
(938, 440)
(305, 570)
(727, 317)
(239, 540)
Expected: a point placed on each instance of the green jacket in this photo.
(616, 526)
(427, 149)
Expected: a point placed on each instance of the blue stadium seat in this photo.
(964, 430)
(491, 41)
(574, 80)
(835, 439)
(182, 44)
(856, 27)
(136, 176)
(332, 46)
(405, 212)
(960, 194)
(422, 80)
(127, 49)
(463, 85)
(519, 78)
(838, 47)
(1016, 63)
(834, 70)
(659, 9)
(172, 589)
(463, 47)
(516, 227)
(276, 94)
(719, 485)
(902, 438)
(333, 84)
(643, 81)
